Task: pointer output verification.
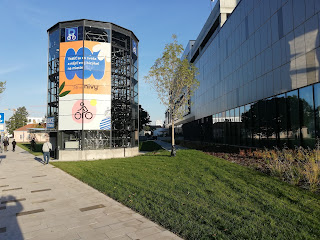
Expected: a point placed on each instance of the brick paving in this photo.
(42, 202)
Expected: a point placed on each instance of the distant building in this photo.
(159, 123)
(23, 134)
(36, 119)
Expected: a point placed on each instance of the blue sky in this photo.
(24, 41)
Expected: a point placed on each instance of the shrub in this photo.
(149, 146)
(300, 166)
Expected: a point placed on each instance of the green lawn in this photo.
(27, 147)
(198, 196)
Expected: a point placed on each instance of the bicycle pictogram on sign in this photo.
(83, 112)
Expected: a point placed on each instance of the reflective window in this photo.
(282, 119)
(293, 119)
(242, 127)
(247, 119)
(272, 130)
(255, 124)
(307, 116)
(317, 108)
(237, 126)
(54, 45)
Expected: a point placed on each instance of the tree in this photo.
(174, 79)
(17, 120)
(144, 118)
(2, 87)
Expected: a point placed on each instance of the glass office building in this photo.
(92, 88)
(259, 75)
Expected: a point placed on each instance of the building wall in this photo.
(254, 73)
(264, 48)
(24, 136)
(72, 155)
(35, 120)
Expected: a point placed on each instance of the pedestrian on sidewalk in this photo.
(46, 148)
(33, 145)
(14, 143)
(5, 144)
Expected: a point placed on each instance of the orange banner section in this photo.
(90, 85)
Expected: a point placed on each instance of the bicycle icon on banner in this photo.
(71, 36)
(85, 112)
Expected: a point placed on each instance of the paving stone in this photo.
(120, 232)
(144, 233)
(57, 198)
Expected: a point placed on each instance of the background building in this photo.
(92, 90)
(259, 74)
(29, 131)
(36, 119)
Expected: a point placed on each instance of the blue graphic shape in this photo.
(92, 65)
(71, 34)
(105, 124)
(134, 47)
(1, 118)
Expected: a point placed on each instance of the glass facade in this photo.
(124, 84)
(290, 119)
(259, 74)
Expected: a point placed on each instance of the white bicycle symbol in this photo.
(71, 36)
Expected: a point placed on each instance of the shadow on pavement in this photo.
(2, 157)
(40, 160)
(9, 227)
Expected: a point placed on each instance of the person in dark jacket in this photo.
(14, 143)
(33, 145)
(5, 144)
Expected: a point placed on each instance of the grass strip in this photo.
(198, 196)
(27, 147)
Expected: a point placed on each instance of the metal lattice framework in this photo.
(96, 140)
(53, 86)
(97, 37)
(121, 93)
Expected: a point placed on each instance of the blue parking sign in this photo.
(71, 34)
(50, 122)
(1, 118)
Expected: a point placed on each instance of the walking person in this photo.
(5, 144)
(33, 145)
(46, 148)
(14, 143)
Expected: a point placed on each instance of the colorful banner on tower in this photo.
(85, 86)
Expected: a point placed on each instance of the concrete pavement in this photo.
(42, 202)
(167, 146)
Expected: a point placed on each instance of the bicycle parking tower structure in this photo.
(92, 90)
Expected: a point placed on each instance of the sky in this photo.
(24, 41)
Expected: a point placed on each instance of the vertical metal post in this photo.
(82, 127)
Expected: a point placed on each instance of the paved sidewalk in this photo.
(167, 146)
(42, 202)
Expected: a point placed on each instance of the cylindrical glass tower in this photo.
(92, 90)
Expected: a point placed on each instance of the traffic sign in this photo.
(1, 118)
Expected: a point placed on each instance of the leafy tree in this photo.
(2, 87)
(144, 118)
(174, 79)
(17, 120)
